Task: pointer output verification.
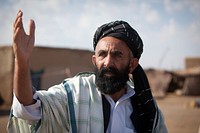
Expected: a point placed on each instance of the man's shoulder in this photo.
(84, 74)
(80, 78)
(82, 81)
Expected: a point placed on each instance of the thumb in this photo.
(32, 28)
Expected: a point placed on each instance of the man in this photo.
(105, 101)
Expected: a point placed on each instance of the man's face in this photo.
(113, 61)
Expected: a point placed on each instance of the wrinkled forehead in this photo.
(111, 43)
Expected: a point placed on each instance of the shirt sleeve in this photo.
(31, 112)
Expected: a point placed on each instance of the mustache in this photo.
(105, 70)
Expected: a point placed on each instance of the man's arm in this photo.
(23, 45)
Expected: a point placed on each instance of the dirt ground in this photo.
(180, 114)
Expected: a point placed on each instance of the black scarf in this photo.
(143, 102)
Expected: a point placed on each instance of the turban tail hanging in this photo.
(143, 99)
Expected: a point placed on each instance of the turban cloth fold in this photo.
(142, 100)
(123, 31)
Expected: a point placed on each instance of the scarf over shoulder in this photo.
(73, 106)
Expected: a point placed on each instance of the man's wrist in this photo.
(21, 63)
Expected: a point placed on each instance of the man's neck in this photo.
(116, 96)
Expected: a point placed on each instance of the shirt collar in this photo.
(129, 93)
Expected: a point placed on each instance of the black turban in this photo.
(123, 31)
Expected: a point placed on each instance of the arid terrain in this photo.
(180, 114)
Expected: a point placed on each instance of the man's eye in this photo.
(117, 55)
(102, 54)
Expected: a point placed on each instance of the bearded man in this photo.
(116, 98)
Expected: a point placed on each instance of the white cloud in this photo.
(194, 31)
(173, 6)
(169, 30)
(150, 14)
(152, 17)
(193, 5)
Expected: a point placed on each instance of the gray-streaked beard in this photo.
(111, 84)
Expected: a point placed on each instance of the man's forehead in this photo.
(110, 42)
(109, 46)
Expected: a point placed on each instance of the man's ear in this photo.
(94, 60)
(133, 64)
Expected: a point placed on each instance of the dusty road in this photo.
(179, 115)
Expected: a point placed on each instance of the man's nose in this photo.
(108, 61)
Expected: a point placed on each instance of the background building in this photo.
(49, 66)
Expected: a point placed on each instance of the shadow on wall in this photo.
(1, 100)
(36, 77)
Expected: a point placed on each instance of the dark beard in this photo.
(114, 83)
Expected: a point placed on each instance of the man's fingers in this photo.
(18, 24)
(19, 15)
(16, 34)
(31, 28)
(18, 20)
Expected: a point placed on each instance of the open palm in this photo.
(23, 43)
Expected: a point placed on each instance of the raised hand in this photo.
(23, 43)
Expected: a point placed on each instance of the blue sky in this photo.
(170, 29)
